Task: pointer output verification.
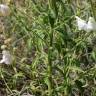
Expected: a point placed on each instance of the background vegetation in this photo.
(51, 56)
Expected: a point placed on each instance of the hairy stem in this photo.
(50, 87)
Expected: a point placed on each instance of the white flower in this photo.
(6, 58)
(87, 26)
(82, 25)
(4, 10)
(91, 26)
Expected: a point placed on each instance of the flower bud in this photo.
(7, 41)
(3, 47)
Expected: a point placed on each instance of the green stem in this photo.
(50, 49)
(50, 87)
(93, 10)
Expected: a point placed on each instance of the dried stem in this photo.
(93, 10)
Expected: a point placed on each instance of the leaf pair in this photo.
(53, 12)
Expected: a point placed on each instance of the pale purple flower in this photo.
(91, 26)
(4, 10)
(82, 25)
(6, 57)
(86, 26)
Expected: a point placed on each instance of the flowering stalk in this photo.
(53, 14)
(50, 87)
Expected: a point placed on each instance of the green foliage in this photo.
(51, 56)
